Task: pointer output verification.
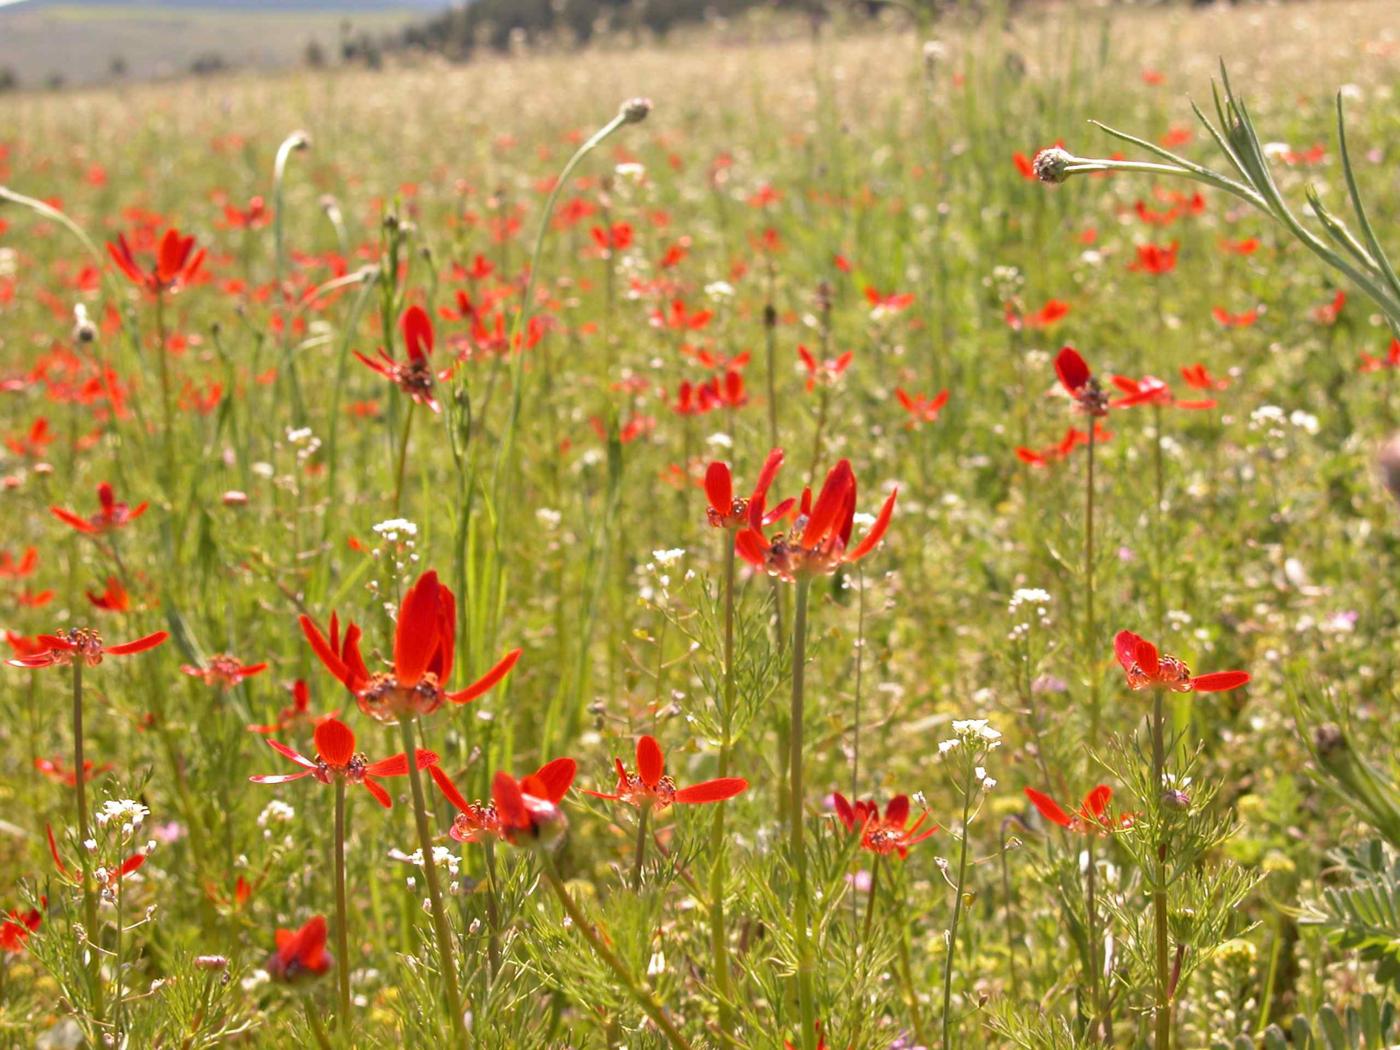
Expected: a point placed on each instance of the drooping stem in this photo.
(640, 994)
(403, 457)
(969, 788)
(441, 930)
(84, 856)
(342, 914)
(641, 851)
(796, 846)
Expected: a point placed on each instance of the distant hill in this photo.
(234, 6)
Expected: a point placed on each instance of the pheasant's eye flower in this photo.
(1146, 669)
(301, 953)
(883, 835)
(112, 513)
(1093, 818)
(1155, 258)
(223, 671)
(1081, 384)
(921, 409)
(524, 813)
(113, 599)
(56, 770)
(82, 643)
(176, 263)
(336, 758)
(1198, 377)
(819, 541)
(1149, 390)
(17, 927)
(478, 821)
(414, 376)
(424, 647)
(296, 714)
(728, 511)
(650, 786)
(824, 373)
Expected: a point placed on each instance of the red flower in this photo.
(1146, 669)
(1328, 313)
(882, 305)
(301, 952)
(1073, 439)
(1093, 816)
(883, 835)
(921, 409)
(17, 927)
(824, 373)
(1371, 363)
(55, 769)
(522, 815)
(297, 713)
(819, 541)
(1053, 311)
(336, 758)
(112, 513)
(650, 786)
(1155, 258)
(1149, 390)
(1248, 246)
(60, 650)
(424, 644)
(113, 599)
(109, 877)
(414, 376)
(176, 264)
(727, 511)
(476, 821)
(1199, 378)
(223, 670)
(1080, 383)
(1225, 319)
(12, 569)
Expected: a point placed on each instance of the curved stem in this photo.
(441, 929)
(643, 998)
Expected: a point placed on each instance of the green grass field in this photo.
(830, 245)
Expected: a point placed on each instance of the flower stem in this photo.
(84, 834)
(403, 461)
(1162, 1017)
(441, 929)
(796, 846)
(719, 936)
(968, 789)
(641, 854)
(1090, 642)
(493, 914)
(342, 914)
(643, 998)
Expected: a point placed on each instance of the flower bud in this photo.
(635, 110)
(1050, 165)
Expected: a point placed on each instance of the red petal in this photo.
(488, 681)
(752, 547)
(510, 801)
(844, 812)
(295, 756)
(897, 811)
(449, 789)
(877, 531)
(1071, 369)
(839, 481)
(1096, 801)
(324, 649)
(651, 763)
(557, 777)
(719, 488)
(138, 646)
(1219, 681)
(417, 332)
(1125, 645)
(53, 851)
(416, 638)
(335, 742)
(1049, 808)
(377, 790)
(712, 790)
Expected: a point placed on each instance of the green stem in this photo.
(1163, 1018)
(640, 995)
(641, 853)
(84, 856)
(342, 913)
(441, 929)
(796, 846)
(403, 457)
(968, 789)
(167, 410)
(493, 914)
(1090, 642)
(719, 937)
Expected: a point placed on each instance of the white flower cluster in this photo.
(1272, 420)
(396, 528)
(975, 732)
(126, 812)
(656, 575)
(1038, 601)
(274, 813)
